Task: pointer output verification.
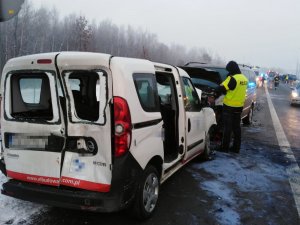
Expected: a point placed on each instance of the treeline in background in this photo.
(43, 30)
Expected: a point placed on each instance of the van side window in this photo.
(165, 93)
(191, 99)
(145, 85)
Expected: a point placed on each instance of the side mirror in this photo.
(9, 9)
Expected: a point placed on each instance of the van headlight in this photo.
(295, 94)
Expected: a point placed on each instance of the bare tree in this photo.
(42, 30)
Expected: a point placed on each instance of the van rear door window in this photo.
(31, 90)
(75, 84)
(31, 97)
(88, 91)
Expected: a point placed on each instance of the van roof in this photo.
(33, 59)
(38, 61)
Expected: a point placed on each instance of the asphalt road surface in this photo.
(289, 116)
(253, 187)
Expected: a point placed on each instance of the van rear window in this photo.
(89, 95)
(31, 90)
(31, 97)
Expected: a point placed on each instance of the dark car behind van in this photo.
(208, 77)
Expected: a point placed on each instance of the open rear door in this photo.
(87, 160)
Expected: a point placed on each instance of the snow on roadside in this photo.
(14, 211)
(231, 174)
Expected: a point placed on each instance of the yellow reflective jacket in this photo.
(236, 97)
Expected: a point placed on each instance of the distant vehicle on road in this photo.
(292, 79)
(295, 95)
(271, 76)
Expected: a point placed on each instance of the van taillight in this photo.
(122, 127)
(44, 61)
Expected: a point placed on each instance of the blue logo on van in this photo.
(78, 165)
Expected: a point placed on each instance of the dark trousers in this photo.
(231, 124)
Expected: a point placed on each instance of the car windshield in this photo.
(222, 71)
(202, 83)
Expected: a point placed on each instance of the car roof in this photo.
(211, 65)
(204, 65)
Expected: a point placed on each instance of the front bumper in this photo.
(295, 100)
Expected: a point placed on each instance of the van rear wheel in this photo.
(147, 194)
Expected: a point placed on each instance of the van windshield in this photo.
(31, 96)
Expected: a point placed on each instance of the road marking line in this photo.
(292, 170)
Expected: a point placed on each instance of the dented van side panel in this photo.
(145, 135)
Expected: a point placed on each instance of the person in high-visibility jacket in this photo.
(234, 87)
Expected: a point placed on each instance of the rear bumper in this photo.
(53, 196)
(123, 187)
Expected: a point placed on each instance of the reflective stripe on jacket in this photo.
(237, 96)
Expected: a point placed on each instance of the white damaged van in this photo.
(96, 132)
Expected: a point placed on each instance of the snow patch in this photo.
(231, 174)
(14, 211)
(223, 205)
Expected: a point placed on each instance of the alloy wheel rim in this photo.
(150, 192)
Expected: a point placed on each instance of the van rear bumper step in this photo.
(59, 197)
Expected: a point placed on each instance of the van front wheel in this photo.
(207, 148)
(147, 194)
(248, 119)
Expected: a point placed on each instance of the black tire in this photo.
(248, 119)
(147, 194)
(206, 155)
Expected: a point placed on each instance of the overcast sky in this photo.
(261, 32)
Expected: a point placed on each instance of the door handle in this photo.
(189, 125)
